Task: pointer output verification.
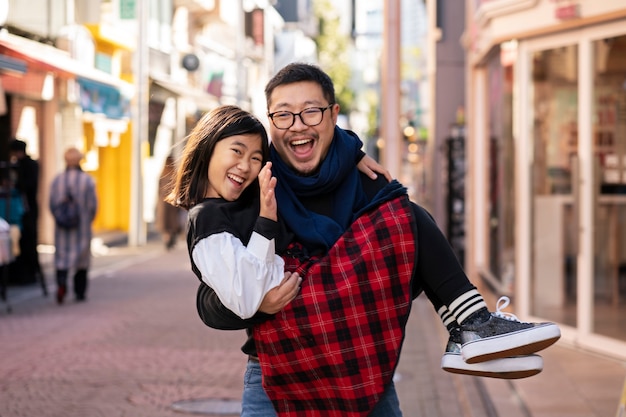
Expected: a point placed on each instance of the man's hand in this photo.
(277, 298)
(267, 184)
(370, 167)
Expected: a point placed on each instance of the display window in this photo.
(572, 188)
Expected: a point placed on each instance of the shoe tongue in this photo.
(478, 317)
(455, 335)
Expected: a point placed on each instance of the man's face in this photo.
(300, 146)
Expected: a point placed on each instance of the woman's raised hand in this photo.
(267, 185)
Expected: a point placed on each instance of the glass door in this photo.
(608, 129)
(554, 173)
(572, 145)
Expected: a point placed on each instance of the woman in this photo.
(225, 182)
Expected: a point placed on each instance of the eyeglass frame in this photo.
(299, 114)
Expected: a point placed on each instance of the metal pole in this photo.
(137, 233)
(390, 86)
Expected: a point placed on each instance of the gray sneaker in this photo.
(503, 335)
(516, 367)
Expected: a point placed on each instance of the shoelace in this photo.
(503, 302)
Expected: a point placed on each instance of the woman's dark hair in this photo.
(191, 180)
(298, 72)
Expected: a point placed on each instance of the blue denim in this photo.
(256, 403)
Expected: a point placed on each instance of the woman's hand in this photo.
(370, 167)
(277, 298)
(267, 185)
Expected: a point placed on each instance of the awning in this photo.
(203, 100)
(8, 64)
(45, 58)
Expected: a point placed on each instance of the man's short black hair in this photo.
(299, 72)
(17, 145)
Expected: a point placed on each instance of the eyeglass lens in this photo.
(310, 117)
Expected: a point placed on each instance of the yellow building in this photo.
(109, 137)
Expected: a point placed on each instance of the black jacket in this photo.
(215, 315)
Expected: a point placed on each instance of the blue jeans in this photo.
(256, 403)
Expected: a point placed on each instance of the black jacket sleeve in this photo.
(214, 314)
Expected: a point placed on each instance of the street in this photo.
(133, 349)
(136, 348)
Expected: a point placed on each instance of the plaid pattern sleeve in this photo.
(334, 349)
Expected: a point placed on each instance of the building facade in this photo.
(125, 81)
(546, 187)
(62, 97)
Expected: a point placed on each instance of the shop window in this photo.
(501, 169)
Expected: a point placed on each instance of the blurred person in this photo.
(73, 246)
(27, 268)
(168, 220)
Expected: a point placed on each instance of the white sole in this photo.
(516, 367)
(522, 342)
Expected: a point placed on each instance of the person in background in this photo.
(168, 217)
(73, 246)
(26, 182)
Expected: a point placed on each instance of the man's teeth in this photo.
(299, 142)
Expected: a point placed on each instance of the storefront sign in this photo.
(99, 98)
(127, 9)
(456, 191)
(566, 9)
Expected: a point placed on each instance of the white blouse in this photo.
(240, 275)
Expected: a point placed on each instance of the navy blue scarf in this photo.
(337, 174)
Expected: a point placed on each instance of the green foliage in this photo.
(372, 116)
(333, 52)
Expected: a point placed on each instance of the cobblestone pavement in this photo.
(137, 348)
(133, 349)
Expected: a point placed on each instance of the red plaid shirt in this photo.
(334, 349)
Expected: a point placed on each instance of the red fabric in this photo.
(334, 349)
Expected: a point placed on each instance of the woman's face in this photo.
(235, 164)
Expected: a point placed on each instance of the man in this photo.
(73, 244)
(27, 264)
(364, 252)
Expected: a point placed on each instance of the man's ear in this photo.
(336, 107)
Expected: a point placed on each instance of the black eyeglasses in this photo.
(311, 116)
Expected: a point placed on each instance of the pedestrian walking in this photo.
(72, 237)
(364, 252)
(27, 268)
